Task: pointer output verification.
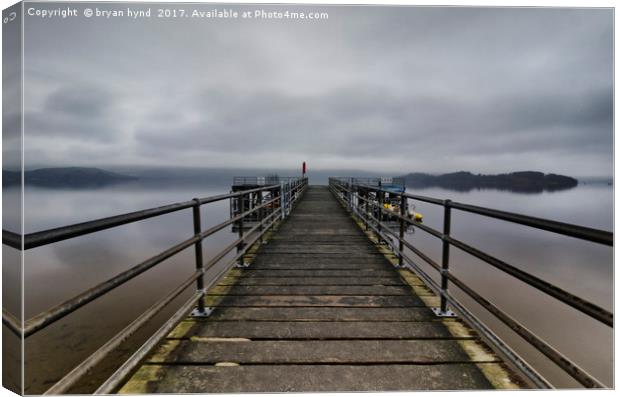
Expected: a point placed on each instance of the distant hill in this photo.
(65, 177)
(524, 181)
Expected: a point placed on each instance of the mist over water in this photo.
(58, 271)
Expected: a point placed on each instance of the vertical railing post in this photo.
(401, 245)
(287, 194)
(282, 200)
(367, 197)
(290, 198)
(443, 311)
(241, 245)
(200, 284)
(351, 194)
(380, 197)
(261, 216)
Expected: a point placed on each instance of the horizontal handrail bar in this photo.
(37, 239)
(419, 225)
(566, 297)
(406, 243)
(542, 346)
(558, 358)
(111, 383)
(514, 358)
(235, 243)
(566, 229)
(230, 221)
(574, 301)
(498, 343)
(291, 189)
(251, 243)
(221, 197)
(49, 236)
(427, 199)
(70, 379)
(114, 380)
(67, 381)
(538, 380)
(61, 310)
(12, 322)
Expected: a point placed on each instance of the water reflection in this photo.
(59, 271)
(585, 269)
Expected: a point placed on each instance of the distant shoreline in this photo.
(65, 177)
(94, 178)
(523, 181)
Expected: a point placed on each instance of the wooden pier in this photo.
(320, 308)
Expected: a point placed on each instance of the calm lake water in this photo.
(585, 269)
(59, 271)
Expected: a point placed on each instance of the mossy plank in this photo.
(319, 378)
(313, 300)
(379, 290)
(321, 330)
(371, 280)
(257, 273)
(320, 352)
(323, 314)
(322, 291)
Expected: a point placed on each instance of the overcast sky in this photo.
(386, 88)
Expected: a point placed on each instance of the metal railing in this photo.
(366, 202)
(270, 211)
(263, 180)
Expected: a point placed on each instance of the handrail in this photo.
(348, 193)
(574, 301)
(513, 357)
(567, 229)
(61, 310)
(44, 237)
(288, 193)
(72, 377)
(95, 358)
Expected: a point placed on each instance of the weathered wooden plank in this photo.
(323, 314)
(320, 330)
(333, 259)
(319, 293)
(306, 378)
(313, 281)
(335, 231)
(325, 250)
(314, 300)
(319, 266)
(370, 351)
(311, 290)
(255, 273)
(321, 239)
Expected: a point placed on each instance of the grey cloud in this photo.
(428, 89)
(81, 112)
(80, 101)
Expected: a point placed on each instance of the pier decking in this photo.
(320, 308)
